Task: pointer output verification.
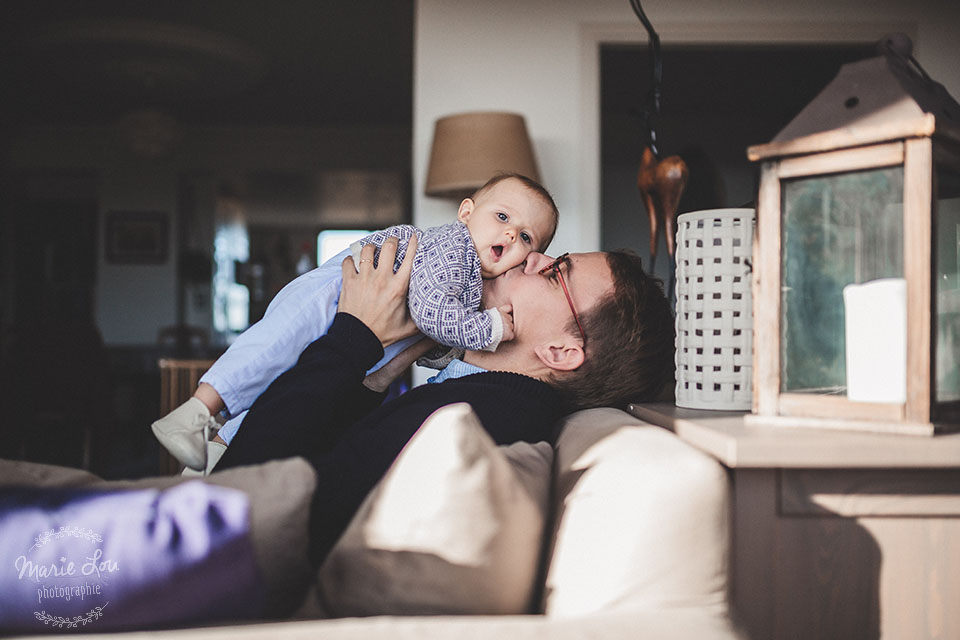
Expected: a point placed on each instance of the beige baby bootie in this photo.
(215, 451)
(185, 431)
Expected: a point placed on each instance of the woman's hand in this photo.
(378, 296)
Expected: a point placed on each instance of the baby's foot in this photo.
(184, 433)
(440, 356)
(215, 451)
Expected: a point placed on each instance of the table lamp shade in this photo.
(470, 148)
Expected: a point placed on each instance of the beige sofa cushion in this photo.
(649, 527)
(34, 474)
(455, 526)
(279, 492)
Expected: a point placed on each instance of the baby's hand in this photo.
(506, 312)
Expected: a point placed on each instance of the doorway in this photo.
(55, 378)
(716, 101)
(54, 259)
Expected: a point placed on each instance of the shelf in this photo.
(726, 436)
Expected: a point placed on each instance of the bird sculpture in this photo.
(661, 183)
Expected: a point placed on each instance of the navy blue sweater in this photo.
(320, 409)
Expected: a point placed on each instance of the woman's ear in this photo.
(561, 355)
(466, 208)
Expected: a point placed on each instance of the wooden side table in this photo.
(835, 534)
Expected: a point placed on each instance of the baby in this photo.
(507, 218)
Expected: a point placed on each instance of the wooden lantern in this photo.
(857, 256)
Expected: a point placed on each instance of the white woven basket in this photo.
(714, 309)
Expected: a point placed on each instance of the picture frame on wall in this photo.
(136, 237)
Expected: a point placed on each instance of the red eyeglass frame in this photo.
(555, 267)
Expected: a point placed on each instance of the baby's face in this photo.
(506, 222)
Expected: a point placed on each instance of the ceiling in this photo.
(209, 62)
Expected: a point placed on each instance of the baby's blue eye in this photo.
(525, 237)
(502, 216)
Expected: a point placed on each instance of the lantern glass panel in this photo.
(837, 229)
(947, 287)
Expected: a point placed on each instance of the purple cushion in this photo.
(103, 560)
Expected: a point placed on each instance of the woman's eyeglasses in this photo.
(555, 268)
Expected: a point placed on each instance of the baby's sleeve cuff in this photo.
(496, 326)
(355, 247)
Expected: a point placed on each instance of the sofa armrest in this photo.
(642, 520)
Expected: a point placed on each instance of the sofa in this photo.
(618, 530)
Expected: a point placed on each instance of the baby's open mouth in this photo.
(497, 250)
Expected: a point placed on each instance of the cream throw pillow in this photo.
(660, 507)
(455, 526)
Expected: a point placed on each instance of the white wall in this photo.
(134, 301)
(539, 58)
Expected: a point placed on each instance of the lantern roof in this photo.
(873, 100)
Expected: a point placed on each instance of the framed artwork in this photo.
(136, 237)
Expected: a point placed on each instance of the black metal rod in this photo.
(656, 74)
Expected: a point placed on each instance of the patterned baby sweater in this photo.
(445, 285)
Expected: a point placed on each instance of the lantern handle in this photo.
(901, 46)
